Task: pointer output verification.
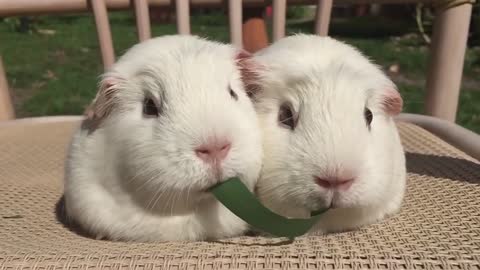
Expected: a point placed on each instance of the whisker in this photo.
(158, 198)
(146, 182)
(156, 195)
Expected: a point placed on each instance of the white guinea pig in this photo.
(329, 137)
(171, 119)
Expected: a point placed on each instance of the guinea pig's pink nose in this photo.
(214, 151)
(334, 183)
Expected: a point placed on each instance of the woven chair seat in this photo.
(437, 228)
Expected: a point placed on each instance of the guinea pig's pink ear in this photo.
(104, 101)
(392, 101)
(249, 71)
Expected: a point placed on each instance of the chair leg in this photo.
(142, 17)
(183, 17)
(449, 42)
(322, 17)
(235, 22)
(103, 31)
(6, 107)
(279, 17)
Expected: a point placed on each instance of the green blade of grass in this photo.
(234, 195)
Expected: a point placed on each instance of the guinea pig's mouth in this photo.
(319, 204)
(336, 203)
(317, 208)
(207, 188)
(214, 181)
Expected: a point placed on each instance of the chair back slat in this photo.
(279, 17)
(235, 22)
(183, 16)
(143, 20)
(6, 106)
(443, 81)
(103, 31)
(322, 17)
(446, 61)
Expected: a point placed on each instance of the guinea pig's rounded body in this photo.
(170, 120)
(330, 140)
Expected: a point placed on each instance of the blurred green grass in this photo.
(53, 74)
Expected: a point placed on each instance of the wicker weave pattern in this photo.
(438, 227)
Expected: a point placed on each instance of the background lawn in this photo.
(54, 68)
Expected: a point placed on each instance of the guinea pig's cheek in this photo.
(344, 200)
(356, 196)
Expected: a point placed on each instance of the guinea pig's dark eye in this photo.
(286, 116)
(368, 116)
(150, 108)
(232, 93)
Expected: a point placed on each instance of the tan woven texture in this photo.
(437, 228)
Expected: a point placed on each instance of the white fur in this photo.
(329, 83)
(137, 178)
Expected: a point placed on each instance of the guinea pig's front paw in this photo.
(100, 237)
(258, 233)
(253, 233)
